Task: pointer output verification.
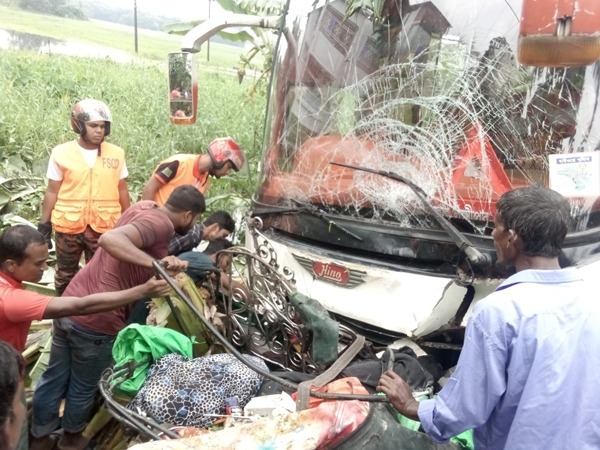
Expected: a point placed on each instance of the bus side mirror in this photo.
(559, 33)
(183, 88)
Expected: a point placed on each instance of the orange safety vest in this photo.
(87, 196)
(187, 173)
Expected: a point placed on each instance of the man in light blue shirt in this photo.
(529, 369)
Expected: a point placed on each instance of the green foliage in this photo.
(254, 7)
(262, 41)
(39, 91)
(60, 8)
(21, 188)
(180, 69)
(373, 8)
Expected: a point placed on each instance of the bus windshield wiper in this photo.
(312, 210)
(462, 242)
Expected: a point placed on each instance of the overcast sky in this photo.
(183, 9)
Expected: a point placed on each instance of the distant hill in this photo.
(97, 10)
(92, 9)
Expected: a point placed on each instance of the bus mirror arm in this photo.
(193, 39)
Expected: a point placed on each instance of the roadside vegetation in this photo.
(39, 91)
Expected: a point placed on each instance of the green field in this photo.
(151, 45)
(38, 91)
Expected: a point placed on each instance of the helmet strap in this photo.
(85, 139)
(213, 165)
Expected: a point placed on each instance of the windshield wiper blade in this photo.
(310, 209)
(462, 242)
(317, 212)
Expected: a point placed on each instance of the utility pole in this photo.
(135, 23)
(208, 41)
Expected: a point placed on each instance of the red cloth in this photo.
(348, 385)
(106, 274)
(18, 308)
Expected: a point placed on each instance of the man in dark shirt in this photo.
(82, 345)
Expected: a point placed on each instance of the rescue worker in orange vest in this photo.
(87, 190)
(223, 156)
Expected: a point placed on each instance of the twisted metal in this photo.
(261, 321)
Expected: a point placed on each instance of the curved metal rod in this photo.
(131, 418)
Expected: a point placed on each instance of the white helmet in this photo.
(90, 110)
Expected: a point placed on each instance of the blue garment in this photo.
(200, 265)
(77, 360)
(528, 373)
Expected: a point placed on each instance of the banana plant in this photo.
(13, 189)
(374, 8)
(20, 189)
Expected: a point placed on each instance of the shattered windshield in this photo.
(434, 93)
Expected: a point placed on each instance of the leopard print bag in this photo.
(182, 391)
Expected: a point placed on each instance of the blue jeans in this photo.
(77, 360)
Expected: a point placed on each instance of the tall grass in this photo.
(38, 92)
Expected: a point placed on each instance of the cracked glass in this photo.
(433, 93)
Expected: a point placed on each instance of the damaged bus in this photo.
(392, 131)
